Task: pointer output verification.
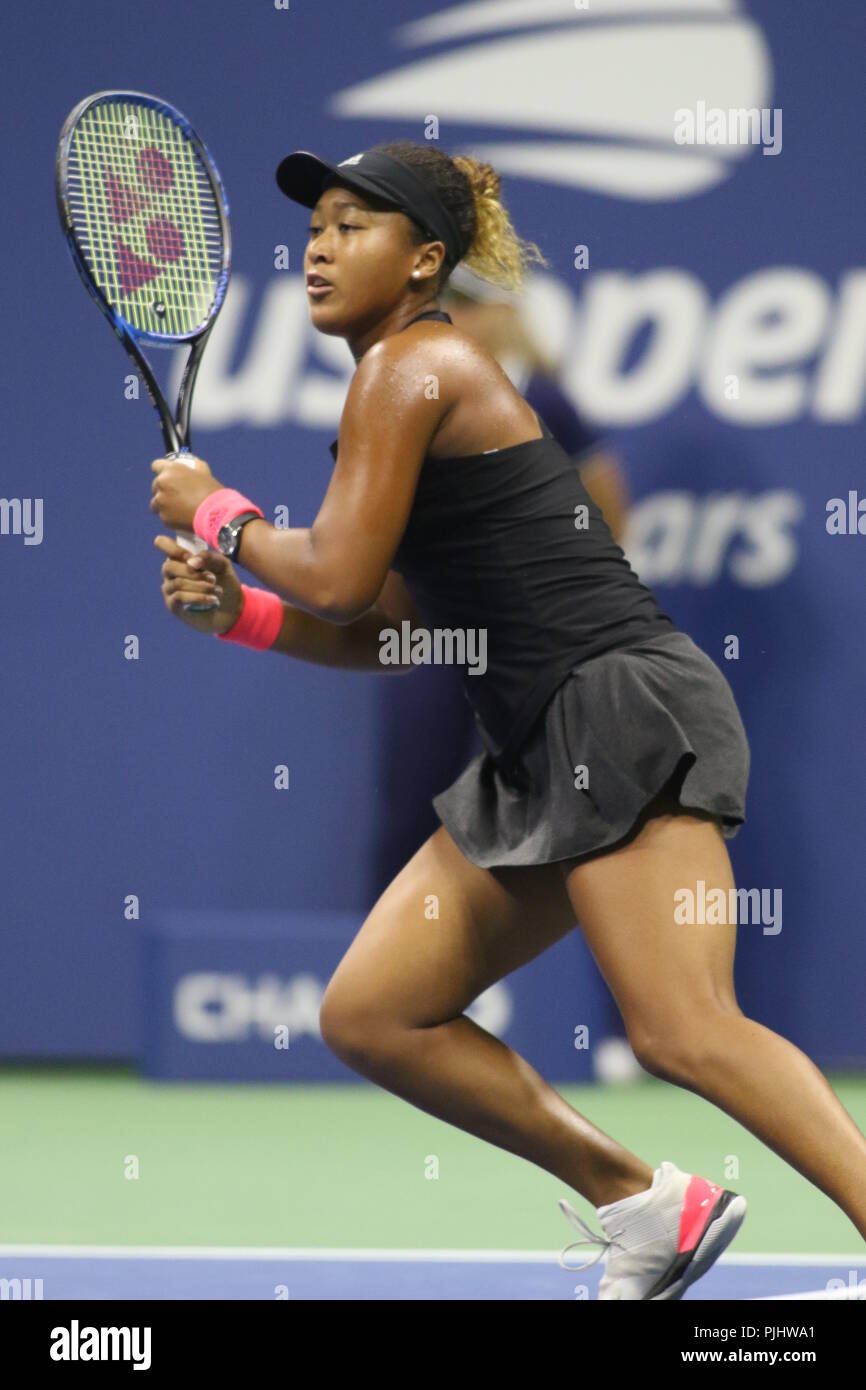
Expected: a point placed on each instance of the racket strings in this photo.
(145, 217)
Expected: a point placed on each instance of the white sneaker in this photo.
(658, 1242)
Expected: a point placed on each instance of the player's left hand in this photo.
(178, 488)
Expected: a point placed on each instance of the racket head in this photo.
(145, 215)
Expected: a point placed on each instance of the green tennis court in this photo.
(353, 1178)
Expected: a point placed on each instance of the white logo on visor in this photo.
(353, 160)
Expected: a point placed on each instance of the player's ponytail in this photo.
(471, 190)
(496, 252)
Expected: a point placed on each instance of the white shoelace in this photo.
(604, 1241)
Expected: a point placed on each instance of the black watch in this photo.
(229, 535)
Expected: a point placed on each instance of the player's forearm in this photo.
(352, 646)
(285, 561)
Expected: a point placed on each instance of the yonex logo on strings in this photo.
(163, 238)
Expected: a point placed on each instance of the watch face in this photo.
(226, 540)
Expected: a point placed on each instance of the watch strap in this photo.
(236, 525)
(218, 508)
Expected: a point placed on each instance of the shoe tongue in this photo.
(614, 1210)
(663, 1172)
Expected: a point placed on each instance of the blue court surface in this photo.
(102, 1272)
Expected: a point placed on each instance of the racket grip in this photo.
(188, 539)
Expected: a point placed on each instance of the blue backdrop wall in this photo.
(717, 336)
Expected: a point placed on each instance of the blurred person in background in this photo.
(494, 317)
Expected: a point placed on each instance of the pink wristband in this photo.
(260, 620)
(218, 508)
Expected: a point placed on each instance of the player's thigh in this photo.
(441, 933)
(663, 972)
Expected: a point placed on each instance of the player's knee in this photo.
(338, 1025)
(348, 1027)
(679, 1045)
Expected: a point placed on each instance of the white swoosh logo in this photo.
(603, 90)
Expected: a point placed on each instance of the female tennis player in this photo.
(615, 763)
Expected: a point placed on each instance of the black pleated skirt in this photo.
(613, 734)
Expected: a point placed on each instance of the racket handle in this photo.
(188, 539)
(194, 544)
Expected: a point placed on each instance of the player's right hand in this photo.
(214, 579)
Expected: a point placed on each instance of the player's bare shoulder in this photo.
(432, 363)
(443, 352)
(445, 338)
(481, 409)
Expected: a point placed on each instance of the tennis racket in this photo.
(147, 224)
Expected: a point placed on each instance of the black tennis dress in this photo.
(587, 698)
